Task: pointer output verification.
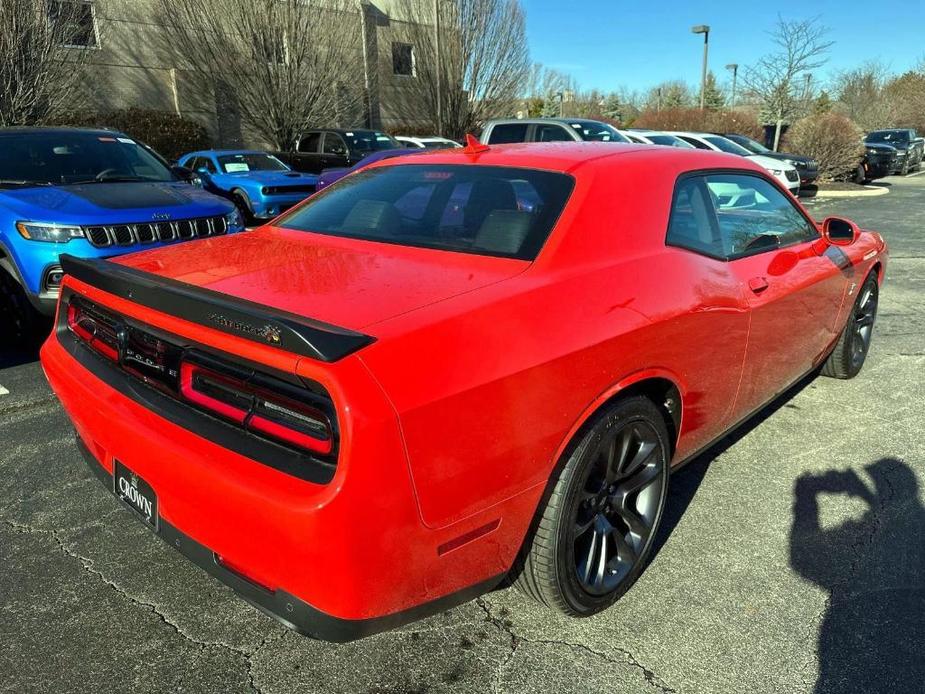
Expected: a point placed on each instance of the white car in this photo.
(786, 173)
(653, 137)
(427, 142)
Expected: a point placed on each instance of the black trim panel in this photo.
(284, 607)
(231, 315)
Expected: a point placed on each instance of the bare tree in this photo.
(859, 95)
(668, 95)
(41, 57)
(482, 66)
(285, 65)
(776, 80)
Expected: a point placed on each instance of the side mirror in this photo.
(202, 171)
(839, 232)
(187, 175)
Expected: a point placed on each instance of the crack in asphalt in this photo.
(652, 679)
(32, 404)
(87, 564)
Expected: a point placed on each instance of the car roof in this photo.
(59, 129)
(203, 152)
(564, 121)
(567, 157)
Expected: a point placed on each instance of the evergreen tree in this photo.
(712, 97)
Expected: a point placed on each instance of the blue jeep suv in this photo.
(89, 193)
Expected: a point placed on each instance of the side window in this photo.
(206, 163)
(696, 143)
(551, 133)
(192, 163)
(309, 143)
(754, 216)
(692, 223)
(334, 144)
(508, 132)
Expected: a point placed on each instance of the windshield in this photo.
(749, 144)
(724, 145)
(67, 157)
(597, 132)
(670, 141)
(488, 210)
(250, 161)
(890, 136)
(370, 141)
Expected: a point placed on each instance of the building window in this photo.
(75, 21)
(403, 59)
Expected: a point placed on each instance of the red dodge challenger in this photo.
(451, 369)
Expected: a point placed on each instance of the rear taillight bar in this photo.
(258, 406)
(93, 330)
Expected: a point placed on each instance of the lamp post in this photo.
(439, 68)
(705, 30)
(735, 71)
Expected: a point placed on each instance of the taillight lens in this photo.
(257, 408)
(95, 331)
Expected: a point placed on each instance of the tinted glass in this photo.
(693, 142)
(724, 145)
(551, 133)
(596, 132)
(472, 209)
(370, 141)
(669, 141)
(748, 143)
(888, 136)
(310, 143)
(753, 215)
(508, 132)
(334, 144)
(250, 161)
(67, 157)
(693, 222)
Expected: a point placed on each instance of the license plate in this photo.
(135, 492)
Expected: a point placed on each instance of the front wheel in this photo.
(19, 322)
(850, 351)
(596, 531)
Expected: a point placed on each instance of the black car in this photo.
(807, 167)
(907, 144)
(317, 150)
(879, 161)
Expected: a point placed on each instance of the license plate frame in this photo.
(136, 493)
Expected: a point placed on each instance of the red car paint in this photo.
(481, 371)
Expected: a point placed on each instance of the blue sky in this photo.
(638, 44)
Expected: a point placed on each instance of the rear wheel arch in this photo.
(661, 387)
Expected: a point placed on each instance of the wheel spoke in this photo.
(625, 551)
(639, 480)
(637, 524)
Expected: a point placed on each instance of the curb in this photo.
(868, 192)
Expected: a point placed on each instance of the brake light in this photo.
(257, 408)
(93, 331)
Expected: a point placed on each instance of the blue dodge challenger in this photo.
(92, 194)
(259, 184)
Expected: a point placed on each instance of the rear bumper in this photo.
(335, 559)
(289, 610)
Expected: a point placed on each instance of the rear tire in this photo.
(850, 352)
(241, 202)
(597, 529)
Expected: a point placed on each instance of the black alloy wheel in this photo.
(594, 534)
(617, 506)
(851, 349)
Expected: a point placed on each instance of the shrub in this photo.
(169, 134)
(708, 120)
(832, 140)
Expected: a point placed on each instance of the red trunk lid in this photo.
(345, 282)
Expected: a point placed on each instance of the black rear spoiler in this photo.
(252, 321)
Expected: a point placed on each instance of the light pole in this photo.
(705, 30)
(439, 71)
(735, 71)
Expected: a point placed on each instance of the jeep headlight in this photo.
(234, 221)
(50, 233)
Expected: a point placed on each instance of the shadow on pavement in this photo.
(872, 634)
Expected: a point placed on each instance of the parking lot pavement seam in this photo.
(87, 564)
(652, 679)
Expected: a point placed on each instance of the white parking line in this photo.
(917, 173)
(4, 391)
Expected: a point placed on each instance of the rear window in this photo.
(505, 133)
(487, 210)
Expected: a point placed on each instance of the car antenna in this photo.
(473, 146)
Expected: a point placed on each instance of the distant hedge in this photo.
(708, 120)
(169, 134)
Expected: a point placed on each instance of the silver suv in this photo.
(504, 131)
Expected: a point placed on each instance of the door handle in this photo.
(757, 284)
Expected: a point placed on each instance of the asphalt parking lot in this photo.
(792, 558)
